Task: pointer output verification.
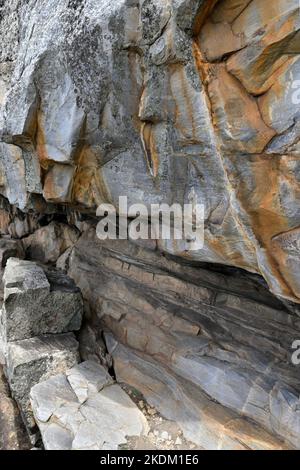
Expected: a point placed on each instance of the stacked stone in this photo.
(41, 309)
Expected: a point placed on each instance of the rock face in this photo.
(50, 242)
(163, 102)
(204, 422)
(184, 335)
(84, 410)
(10, 248)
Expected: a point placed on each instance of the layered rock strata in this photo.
(164, 102)
(195, 333)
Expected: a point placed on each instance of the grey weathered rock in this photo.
(84, 409)
(101, 99)
(87, 379)
(223, 333)
(164, 102)
(48, 243)
(33, 360)
(63, 261)
(38, 301)
(3, 344)
(92, 345)
(202, 420)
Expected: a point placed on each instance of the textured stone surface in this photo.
(204, 422)
(10, 249)
(12, 435)
(84, 410)
(33, 360)
(50, 242)
(38, 301)
(162, 101)
(222, 333)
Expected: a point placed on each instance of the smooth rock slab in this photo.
(38, 301)
(83, 409)
(202, 420)
(33, 360)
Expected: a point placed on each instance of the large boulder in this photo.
(31, 361)
(184, 101)
(39, 305)
(38, 301)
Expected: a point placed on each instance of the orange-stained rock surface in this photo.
(162, 102)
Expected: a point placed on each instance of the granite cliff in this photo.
(162, 101)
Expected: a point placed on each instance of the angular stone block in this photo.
(84, 409)
(30, 361)
(38, 301)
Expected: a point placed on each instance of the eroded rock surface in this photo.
(38, 301)
(85, 410)
(31, 361)
(204, 422)
(50, 242)
(161, 101)
(221, 337)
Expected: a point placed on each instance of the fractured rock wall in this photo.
(160, 101)
(210, 350)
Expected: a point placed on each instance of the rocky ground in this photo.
(163, 434)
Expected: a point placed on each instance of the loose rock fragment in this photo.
(84, 409)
